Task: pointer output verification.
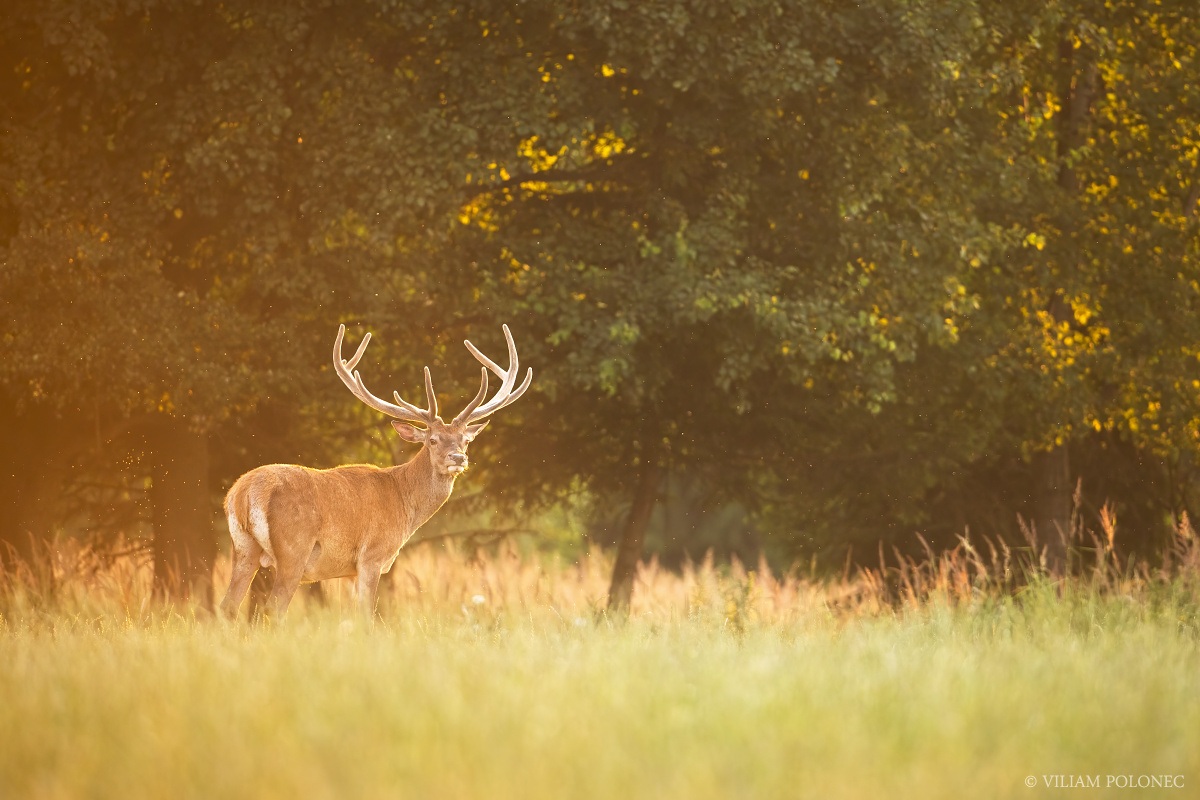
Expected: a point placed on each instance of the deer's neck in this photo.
(423, 488)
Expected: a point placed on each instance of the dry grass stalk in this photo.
(440, 579)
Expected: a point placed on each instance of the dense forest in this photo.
(824, 274)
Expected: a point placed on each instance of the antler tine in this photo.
(354, 382)
(465, 414)
(504, 395)
(429, 395)
(514, 396)
(507, 376)
(407, 410)
(358, 354)
(422, 413)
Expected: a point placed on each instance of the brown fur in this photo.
(345, 522)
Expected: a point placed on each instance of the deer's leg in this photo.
(367, 589)
(245, 565)
(246, 555)
(287, 581)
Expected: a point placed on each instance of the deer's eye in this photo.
(433, 440)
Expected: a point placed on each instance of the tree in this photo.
(862, 269)
(1105, 290)
(179, 220)
(1084, 327)
(701, 231)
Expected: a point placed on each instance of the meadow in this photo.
(494, 673)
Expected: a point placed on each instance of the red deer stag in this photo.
(351, 521)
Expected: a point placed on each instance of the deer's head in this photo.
(446, 441)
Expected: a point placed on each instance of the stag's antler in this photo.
(401, 409)
(508, 378)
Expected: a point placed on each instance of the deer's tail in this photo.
(246, 512)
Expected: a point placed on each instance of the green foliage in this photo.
(847, 265)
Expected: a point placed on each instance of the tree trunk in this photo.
(1052, 505)
(185, 543)
(34, 466)
(18, 482)
(633, 537)
(1053, 500)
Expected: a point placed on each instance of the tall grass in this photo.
(495, 673)
(440, 577)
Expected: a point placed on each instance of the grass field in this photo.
(494, 677)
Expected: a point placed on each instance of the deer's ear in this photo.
(408, 433)
(473, 430)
